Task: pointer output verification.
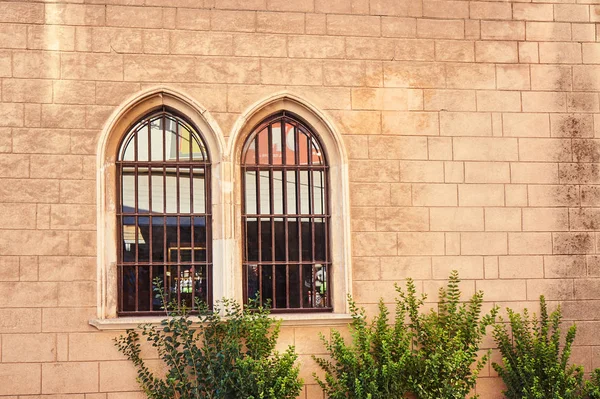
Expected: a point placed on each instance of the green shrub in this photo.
(433, 355)
(229, 357)
(373, 366)
(592, 386)
(446, 359)
(533, 364)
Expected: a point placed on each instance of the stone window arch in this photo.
(299, 111)
(156, 108)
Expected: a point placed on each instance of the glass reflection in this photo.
(156, 140)
(142, 144)
(128, 288)
(267, 284)
(158, 190)
(250, 193)
(304, 192)
(252, 281)
(252, 239)
(276, 147)
(184, 190)
(290, 144)
(318, 192)
(128, 190)
(280, 241)
(277, 192)
(199, 191)
(143, 198)
(294, 279)
(265, 193)
(263, 147)
(280, 287)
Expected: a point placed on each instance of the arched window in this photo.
(163, 214)
(286, 216)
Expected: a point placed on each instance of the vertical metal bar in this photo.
(272, 211)
(285, 211)
(150, 224)
(136, 207)
(208, 230)
(299, 211)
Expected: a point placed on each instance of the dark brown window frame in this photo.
(180, 167)
(301, 127)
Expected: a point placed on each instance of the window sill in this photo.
(289, 320)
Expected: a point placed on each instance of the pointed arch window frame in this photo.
(293, 273)
(138, 160)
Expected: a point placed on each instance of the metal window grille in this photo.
(286, 216)
(164, 215)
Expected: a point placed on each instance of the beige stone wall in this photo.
(471, 129)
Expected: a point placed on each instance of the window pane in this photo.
(158, 272)
(128, 233)
(184, 190)
(267, 284)
(320, 240)
(252, 239)
(278, 192)
(143, 191)
(185, 239)
(307, 287)
(199, 191)
(129, 153)
(172, 245)
(186, 285)
(128, 284)
(306, 240)
(304, 192)
(265, 194)
(128, 190)
(143, 238)
(200, 239)
(144, 288)
(250, 193)
(276, 147)
(290, 144)
(156, 140)
(280, 287)
(263, 147)
(172, 282)
(280, 239)
(318, 193)
(295, 283)
(265, 240)
(316, 154)
(320, 285)
(158, 239)
(142, 144)
(171, 190)
(293, 240)
(291, 192)
(252, 277)
(158, 190)
(250, 158)
(200, 283)
(303, 148)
